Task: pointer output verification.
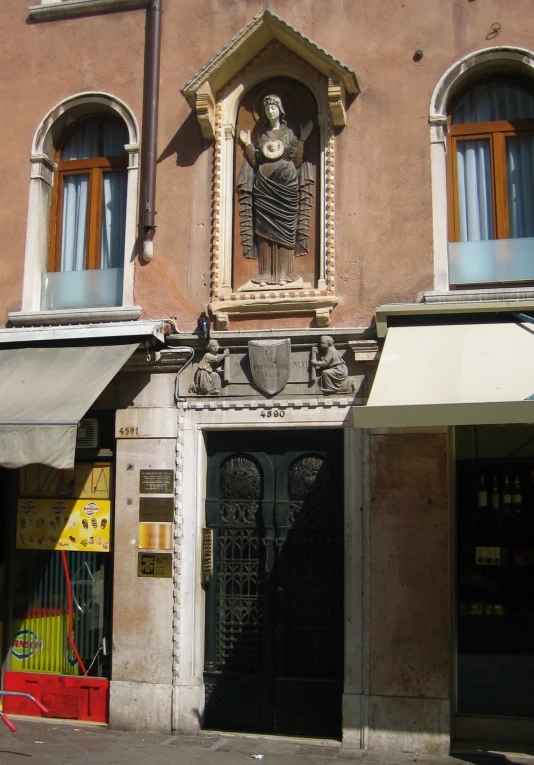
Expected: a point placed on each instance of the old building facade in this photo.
(266, 455)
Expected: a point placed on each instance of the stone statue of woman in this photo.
(275, 188)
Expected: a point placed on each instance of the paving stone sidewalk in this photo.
(68, 743)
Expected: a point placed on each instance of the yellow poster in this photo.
(88, 480)
(63, 524)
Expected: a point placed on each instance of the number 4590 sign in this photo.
(273, 413)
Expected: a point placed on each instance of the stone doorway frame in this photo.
(195, 418)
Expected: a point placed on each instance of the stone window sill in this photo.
(63, 9)
(74, 316)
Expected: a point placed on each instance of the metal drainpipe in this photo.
(150, 127)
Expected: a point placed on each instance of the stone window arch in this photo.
(44, 176)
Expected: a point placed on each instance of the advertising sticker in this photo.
(63, 524)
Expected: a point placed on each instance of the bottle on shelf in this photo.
(495, 496)
(482, 494)
(517, 496)
(506, 495)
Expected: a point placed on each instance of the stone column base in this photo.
(140, 706)
(408, 725)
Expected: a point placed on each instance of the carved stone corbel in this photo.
(336, 101)
(439, 128)
(205, 111)
(322, 317)
(364, 350)
(222, 321)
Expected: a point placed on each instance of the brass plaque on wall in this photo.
(156, 509)
(155, 536)
(154, 565)
(156, 482)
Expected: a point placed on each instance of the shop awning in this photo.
(45, 391)
(453, 374)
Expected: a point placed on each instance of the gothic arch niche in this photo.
(265, 55)
(300, 108)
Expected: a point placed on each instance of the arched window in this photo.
(82, 213)
(491, 184)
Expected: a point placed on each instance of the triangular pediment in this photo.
(202, 88)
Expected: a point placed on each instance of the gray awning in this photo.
(44, 394)
(454, 374)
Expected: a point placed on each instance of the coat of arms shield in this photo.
(270, 364)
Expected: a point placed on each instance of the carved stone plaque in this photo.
(270, 364)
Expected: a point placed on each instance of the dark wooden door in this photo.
(274, 607)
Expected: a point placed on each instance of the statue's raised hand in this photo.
(244, 137)
(305, 131)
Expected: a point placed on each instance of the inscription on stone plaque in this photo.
(154, 565)
(156, 482)
(270, 364)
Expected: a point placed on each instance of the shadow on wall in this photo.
(187, 143)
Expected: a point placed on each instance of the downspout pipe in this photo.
(149, 145)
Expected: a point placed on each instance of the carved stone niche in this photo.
(255, 271)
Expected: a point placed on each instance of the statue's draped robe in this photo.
(275, 198)
(334, 376)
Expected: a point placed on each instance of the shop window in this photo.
(491, 184)
(88, 218)
(495, 566)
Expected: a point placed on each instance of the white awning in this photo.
(454, 374)
(45, 391)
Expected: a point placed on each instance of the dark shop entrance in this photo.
(495, 582)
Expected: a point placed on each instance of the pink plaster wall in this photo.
(409, 572)
(383, 198)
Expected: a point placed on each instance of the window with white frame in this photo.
(491, 193)
(88, 217)
(481, 147)
(82, 211)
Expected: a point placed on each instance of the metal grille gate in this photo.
(274, 618)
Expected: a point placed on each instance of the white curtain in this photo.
(494, 100)
(113, 219)
(94, 139)
(487, 102)
(474, 191)
(520, 174)
(74, 224)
